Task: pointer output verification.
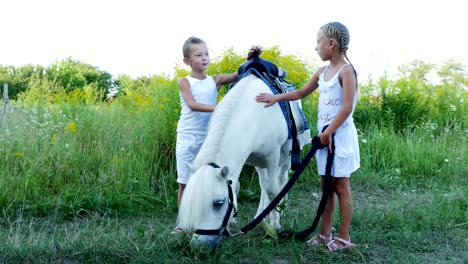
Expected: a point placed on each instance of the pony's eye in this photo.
(218, 203)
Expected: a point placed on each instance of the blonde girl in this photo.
(338, 92)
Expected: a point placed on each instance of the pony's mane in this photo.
(190, 211)
(219, 124)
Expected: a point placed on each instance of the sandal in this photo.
(338, 244)
(319, 239)
(177, 230)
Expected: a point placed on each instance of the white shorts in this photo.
(187, 148)
(347, 158)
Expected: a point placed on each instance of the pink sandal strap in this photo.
(346, 244)
(319, 239)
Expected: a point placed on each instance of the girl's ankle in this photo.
(347, 237)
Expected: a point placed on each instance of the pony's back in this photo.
(243, 126)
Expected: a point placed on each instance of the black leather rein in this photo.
(302, 235)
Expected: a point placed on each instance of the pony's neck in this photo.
(221, 154)
(224, 139)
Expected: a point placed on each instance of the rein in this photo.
(302, 235)
(316, 145)
(327, 188)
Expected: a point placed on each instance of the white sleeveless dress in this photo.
(347, 158)
(204, 92)
(192, 126)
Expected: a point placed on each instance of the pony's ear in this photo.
(224, 172)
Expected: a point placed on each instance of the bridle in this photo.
(223, 230)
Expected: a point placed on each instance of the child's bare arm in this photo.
(228, 78)
(309, 87)
(221, 79)
(184, 87)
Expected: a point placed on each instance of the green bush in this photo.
(68, 151)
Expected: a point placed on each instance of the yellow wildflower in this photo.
(54, 138)
(72, 127)
(116, 160)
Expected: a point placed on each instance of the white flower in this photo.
(364, 141)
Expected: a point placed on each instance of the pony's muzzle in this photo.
(201, 241)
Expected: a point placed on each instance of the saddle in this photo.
(262, 66)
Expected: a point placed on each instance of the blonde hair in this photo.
(340, 33)
(188, 43)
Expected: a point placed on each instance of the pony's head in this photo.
(207, 205)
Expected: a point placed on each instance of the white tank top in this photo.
(330, 100)
(204, 92)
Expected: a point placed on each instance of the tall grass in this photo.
(119, 157)
(78, 158)
(415, 156)
(95, 182)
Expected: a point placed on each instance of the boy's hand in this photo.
(253, 50)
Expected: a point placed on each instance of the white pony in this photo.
(241, 131)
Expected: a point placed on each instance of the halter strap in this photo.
(214, 165)
(223, 229)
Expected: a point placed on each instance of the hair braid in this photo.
(340, 33)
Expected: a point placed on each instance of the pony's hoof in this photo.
(286, 234)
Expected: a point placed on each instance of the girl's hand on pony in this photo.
(270, 99)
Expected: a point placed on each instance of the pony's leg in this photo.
(236, 193)
(284, 167)
(283, 173)
(270, 187)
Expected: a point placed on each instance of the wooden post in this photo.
(5, 104)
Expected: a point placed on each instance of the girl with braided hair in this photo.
(338, 95)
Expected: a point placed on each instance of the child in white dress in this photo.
(338, 93)
(198, 97)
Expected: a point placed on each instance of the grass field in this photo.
(405, 224)
(96, 184)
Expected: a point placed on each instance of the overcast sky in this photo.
(144, 37)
